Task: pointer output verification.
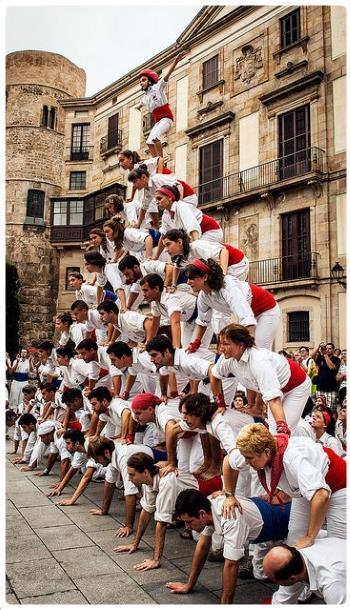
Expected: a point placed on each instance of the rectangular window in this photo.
(59, 213)
(35, 204)
(210, 72)
(76, 212)
(69, 271)
(294, 142)
(113, 139)
(290, 28)
(80, 142)
(298, 326)
(77, 181)
(210, 172)
(296, 245)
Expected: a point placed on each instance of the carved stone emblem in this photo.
(248, 63)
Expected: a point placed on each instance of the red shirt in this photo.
(336, 475)
(262, 300)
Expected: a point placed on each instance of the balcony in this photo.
(294, 268)
(111, 142)
(81, 153)
(73, 218)
(284, 172)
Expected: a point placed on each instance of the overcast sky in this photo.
(106, 41)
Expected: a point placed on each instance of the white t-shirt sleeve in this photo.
(238, 305)
(101, 280)
(148, 500)
(205, 311)
(267, 380)
(301, 471)
(188, 219)
(236, 534)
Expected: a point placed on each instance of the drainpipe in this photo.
(329, 326)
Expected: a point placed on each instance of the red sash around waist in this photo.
(297, 376)
(162, 112)
(336, 475)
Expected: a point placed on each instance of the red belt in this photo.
(297, 376)
(336, 475)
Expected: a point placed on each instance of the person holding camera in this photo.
(326, 380)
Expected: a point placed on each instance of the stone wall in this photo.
(34, 160)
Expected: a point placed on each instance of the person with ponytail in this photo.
(143, 181)
(232, 261)
(105, 246)
(128, 211)
(253, 306)
(105, 272)
(129, 239)
(180, 215)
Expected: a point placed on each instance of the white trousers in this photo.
(293, 405)
(189, 453)
(266, 328)
(16, 394)
(158, 130)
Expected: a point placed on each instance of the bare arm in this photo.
(177, 59)
(224, 256)
(84, 482)
(317, 515)
(175, 328)
(329, 362)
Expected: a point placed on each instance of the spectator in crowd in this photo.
(328, 366)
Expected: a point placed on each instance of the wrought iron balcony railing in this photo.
(80, 153)
(284, 269)
(310, 160)
(111, 141)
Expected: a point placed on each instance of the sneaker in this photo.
(245, 568)
(216, 556)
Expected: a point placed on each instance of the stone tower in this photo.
(36, 81)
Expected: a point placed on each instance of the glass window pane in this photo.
(76, 212)
(59, 213)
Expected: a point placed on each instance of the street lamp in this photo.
(338, 273)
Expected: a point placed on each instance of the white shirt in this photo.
(190, 365)
(326, 567)
(182, 301)
(235, 532)
(134, 239)
(305, 466)
(224, 426)
(115, 412)
(160, 498)
(76, 333)
(75, 373)
(327, 440)
(154, 96)
(258, 369)
(183, 216)
(131, 324)
(228, 300)
(94, 321)
(88, 294)
(154, 183)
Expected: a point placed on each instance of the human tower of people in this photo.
(135, 392)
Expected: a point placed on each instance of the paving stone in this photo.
(210, 577)
(68, 597)
(78, 563)
(10, 508)
(11, 598)
(107, 590)
(161, 595)
(16, 526)
(20, 486)
(166, 572)
(44, 516)
(256, 590)
(82, 501)
(38, 577)
(63, 537)
(91, 523)
(28, 547)
(23, 500)
(174, 546)
(108, 542)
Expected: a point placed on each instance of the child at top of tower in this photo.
(155, 100)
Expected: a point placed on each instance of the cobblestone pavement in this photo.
(52, 553)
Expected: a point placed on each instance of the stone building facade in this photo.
(259, 130)
(36, 83)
